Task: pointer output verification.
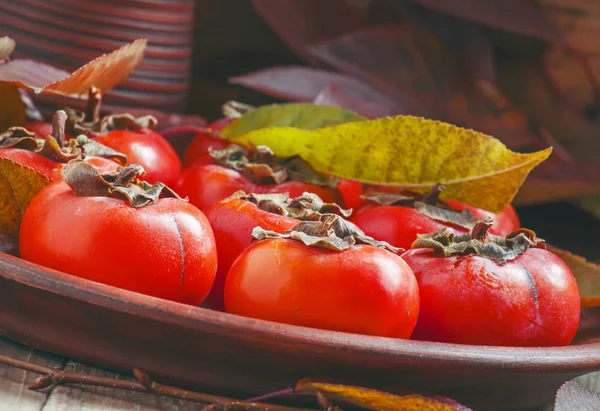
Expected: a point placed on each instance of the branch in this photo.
(52, 377)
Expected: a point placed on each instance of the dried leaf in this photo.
(377, 400)
(105, 72)
(334, 95)
(304, 84)
(330, 231)
(312, 21)
(7, 46)
(124, 184)
(572, 396)
(18, 186)
(414, 68)
(516, 16)
(305, 116)
(586, 273)
(306, 207)
(410, 152)
(12, 108)
(478, 242)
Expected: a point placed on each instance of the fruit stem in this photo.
(481, 228)
(59, 121)
(433, 196)
(92, 110)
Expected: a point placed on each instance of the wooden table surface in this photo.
(14, 395)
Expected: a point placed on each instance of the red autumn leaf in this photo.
(517, 16)
(7, 46)
(334, 95)
(555, 180)
(303, 84)
(105, 72)
(528, 18)
(574, 397)
(305, 22)
(413, 67)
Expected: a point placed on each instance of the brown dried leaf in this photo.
(7, 46)
(105, 72)
(586, 273)
(330, 231)
(18, 186)
(124, 184)
(377, 400)
(12, 108)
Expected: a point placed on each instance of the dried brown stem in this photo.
(92, 110)
(52, 377)
(58, 126)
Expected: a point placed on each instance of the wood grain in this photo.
(66, 398)
(14, 394)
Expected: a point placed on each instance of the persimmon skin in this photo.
(397, 225)
(350, 192)
(41, 129)
(505, 222)
(532, 300)
(165, 249)
(363, 290)
(205, 184)
(400, 225)
(50, 168)
(200, 145)
(232, 221)
(147, 148)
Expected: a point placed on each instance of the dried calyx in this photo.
(124, 184)
(261, 166)
(57, 147)
(307, 207)
(89, 122)
(330, 231)
(428, 204)
(478, 241)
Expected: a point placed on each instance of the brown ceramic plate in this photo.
(223, 353)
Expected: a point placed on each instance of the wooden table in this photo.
(14, 395)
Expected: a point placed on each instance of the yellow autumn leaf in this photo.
(373, 399)
(409, 152)
(18, 186)
(586, 273)
(306, 116)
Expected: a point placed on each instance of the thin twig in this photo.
(52, 377)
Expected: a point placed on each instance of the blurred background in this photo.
(524, 71)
